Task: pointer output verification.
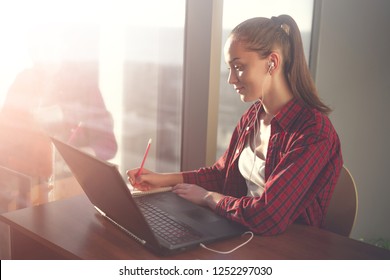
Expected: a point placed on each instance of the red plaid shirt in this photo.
(302, 167)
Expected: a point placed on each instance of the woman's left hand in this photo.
(197, 195)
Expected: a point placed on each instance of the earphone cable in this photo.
(232, 250)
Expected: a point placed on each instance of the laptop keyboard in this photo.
(170, 230)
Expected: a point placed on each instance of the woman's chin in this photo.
(246, 99)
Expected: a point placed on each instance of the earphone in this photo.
(271, 65)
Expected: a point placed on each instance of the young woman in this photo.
(284, 157)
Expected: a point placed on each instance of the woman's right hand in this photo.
(145, 181)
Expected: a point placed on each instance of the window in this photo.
(141, 59)
(131, 51)
(234, 12)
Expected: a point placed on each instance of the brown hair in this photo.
(263, 35)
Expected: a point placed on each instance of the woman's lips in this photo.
(239, 89)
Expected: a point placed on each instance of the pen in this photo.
(143, 160)
(74, 133)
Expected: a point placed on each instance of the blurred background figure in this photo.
(57, 96)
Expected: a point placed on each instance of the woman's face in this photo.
(247, 71)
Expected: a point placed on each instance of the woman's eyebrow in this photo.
(233, 60)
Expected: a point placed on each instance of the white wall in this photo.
(352, 76)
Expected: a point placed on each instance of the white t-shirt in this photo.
(252, 169)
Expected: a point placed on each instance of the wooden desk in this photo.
(71, 229)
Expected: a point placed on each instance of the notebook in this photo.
(140, 216)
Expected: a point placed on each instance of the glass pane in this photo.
(143, 60)
(234, 12)
(104, 75)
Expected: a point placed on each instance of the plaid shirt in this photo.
(302, 167)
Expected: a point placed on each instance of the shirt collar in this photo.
(288, 114)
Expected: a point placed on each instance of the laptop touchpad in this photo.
(201, 216)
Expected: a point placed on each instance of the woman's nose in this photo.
(232, 78)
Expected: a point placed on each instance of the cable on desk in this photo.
(232, 250)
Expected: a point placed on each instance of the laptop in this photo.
(163, 222)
